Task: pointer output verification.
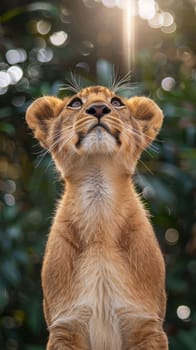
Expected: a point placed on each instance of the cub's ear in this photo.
(148, 115)
(41, 113)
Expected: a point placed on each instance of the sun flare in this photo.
(129, 34)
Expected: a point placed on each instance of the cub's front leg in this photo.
(60, 291)
(143, 329)
(66, 337)
(144, 335)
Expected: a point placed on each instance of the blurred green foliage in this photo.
(29, 186)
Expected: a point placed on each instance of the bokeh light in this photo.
(86, 47)
(9, 199)
(146, 9)
(58, 38)
(156, 21)
(10, 77)
(169, 29)
(15, 73)
(10, 186)
(183, 312)
(18, 101)
(171, 236)
(168, 83)
(39, 5)
(4, 79)
(123, 4)
(15, 56)
(43, 27)
(83, 65)
(45, 55)
(168, 19)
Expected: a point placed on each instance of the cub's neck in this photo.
(99, 200)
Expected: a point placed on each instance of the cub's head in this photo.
(95, 123)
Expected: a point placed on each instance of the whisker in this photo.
(157, 140)
(154, 149)
(141, 134)
(69, 87)
(36, 145)
(135, 132)
(72, 84)
(38, 153)
(65, 141)
(74, 81)
(126, 86)
(53, 145)
(60, 139)
(114, 78)
(116, 82)
(148, 153)
(41, 158)
(149, 147)
(49, 164)
(124, 80)
(145, 166)
(59, 132)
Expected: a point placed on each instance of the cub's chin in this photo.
(98, 141)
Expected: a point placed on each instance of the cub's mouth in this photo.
(99, 128)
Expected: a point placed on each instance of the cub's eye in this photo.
(116, 102)
(75, 103)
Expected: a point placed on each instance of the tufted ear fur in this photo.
(40, 115)
(148, 115)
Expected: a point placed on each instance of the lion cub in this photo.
(103, 274)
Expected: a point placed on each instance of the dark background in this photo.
(163, 69)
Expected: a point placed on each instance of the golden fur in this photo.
(103, 274)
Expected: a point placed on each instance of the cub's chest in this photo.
(103, 283)
(104, 291)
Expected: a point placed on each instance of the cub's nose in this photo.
(98, 110)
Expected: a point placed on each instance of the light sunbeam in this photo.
(129, 34)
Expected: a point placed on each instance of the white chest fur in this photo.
(102, 291)
(95, 205)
